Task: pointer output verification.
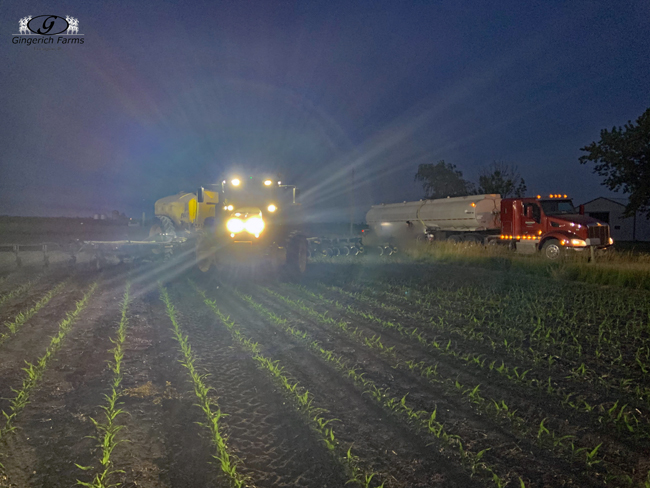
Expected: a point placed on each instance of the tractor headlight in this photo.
(235, 225)
(578, 243)
(254, 225)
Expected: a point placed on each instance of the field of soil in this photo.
(370, 374)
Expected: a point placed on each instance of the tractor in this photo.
(241, 221)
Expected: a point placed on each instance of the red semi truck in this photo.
(549, 225)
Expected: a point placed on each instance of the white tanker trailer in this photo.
(471, 219)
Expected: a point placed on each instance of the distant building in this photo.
(610, 210)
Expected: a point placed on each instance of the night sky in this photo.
(164, 96)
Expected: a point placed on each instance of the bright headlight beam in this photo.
(235, 182)
(272, 208)
(235, 225)
(254, 225)
(268, 183)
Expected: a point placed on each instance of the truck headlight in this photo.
(578, 243)
(235, 225)
(272, 208)
(611, 241)
(254, 225)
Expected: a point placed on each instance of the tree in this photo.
(503, 179)
(442, 180)
(622, 157)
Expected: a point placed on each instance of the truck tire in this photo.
(552, 250)
(296, 264)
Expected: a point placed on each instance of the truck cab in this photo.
(550, 225)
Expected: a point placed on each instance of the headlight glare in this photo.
(272, 208)
(578, 243)
(235, 225)
(254, 225)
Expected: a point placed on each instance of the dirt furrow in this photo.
(380, 439)
(275, 445)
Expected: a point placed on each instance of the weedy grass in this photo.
(205, 401)
(614, 268)
(23, 316)
(34, 372)
(108, 428)
(303, 398)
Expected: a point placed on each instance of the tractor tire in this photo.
(552, 250)
(204, 254)
(296, 264)
(164, 227)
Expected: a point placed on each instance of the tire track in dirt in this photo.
(380, 440)
(276, 447)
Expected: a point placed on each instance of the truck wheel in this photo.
(552, 250)
(296, 257)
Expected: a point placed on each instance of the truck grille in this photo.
(599, 232)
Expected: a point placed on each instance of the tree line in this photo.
(621, 157)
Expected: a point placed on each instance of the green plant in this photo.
(108, 429)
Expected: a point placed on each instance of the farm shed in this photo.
(610, 210)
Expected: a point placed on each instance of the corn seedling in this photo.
(34, 372)
(304, 400)
(108, 429)
(206, 402)
(24, 316)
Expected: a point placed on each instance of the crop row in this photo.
(625, 416)
(19, 290)
(422, 420)
(572, 325)
(303, 399)
(108, 428)
(206, 402)
(24, 315)
(34, 372)
(562, 445)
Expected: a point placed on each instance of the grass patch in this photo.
(613, 268)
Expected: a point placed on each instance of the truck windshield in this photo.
(558, 207)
